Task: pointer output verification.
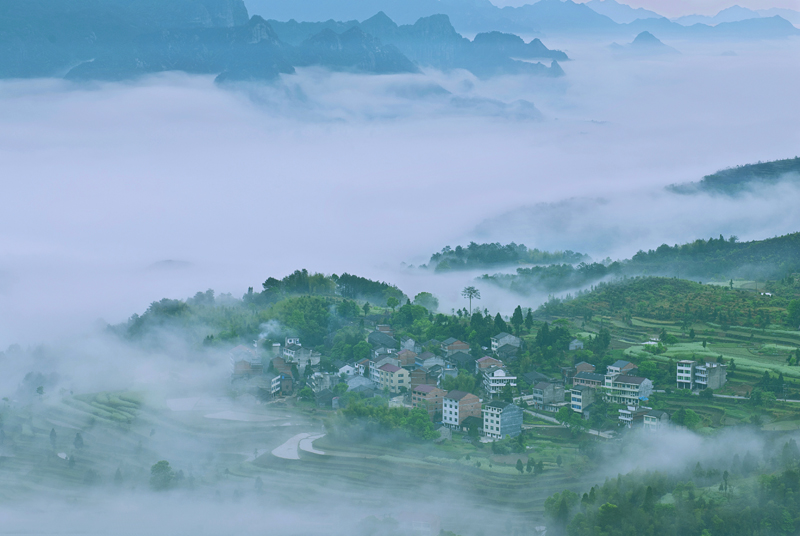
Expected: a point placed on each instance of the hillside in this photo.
(675, 300)
(720, 258)
(711, 260)
(733, 181)
(477, 256)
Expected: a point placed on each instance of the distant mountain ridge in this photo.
(432, 41)
(731, 14)
(738, 13)
(621, 13)
(545, 17)
(111, 40)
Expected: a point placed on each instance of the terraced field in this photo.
(222, 447)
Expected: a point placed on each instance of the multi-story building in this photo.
(686, 374)
(588, 379)
(546, 393)
(501, 419)
(457, 406)
(393, 378)
(616, 388)
(428, 397)
(495, 378)
(626, 390)
(376, 364)
(648, 418)
(655, 420)
(694, 376)
(581, 397)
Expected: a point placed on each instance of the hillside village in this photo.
(404, 373)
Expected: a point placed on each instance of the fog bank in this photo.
(339, 172)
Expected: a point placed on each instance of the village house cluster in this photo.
(403, 371)
(397, 369)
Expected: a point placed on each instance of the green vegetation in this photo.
(736, 497)
(312, 306)
(476, 256)
(554, 277)
(675, 300)
(717, 259)
(372, 419)
(733, 181)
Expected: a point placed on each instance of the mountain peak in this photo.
(646, 39)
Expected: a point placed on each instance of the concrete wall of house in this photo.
(511, 421)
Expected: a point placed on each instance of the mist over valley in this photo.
(263, 268)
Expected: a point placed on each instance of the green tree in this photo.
(691, 333)
(78, 442)
(793, 310)
(366, 308)
(520, 467)
(517, 320)
(427, 300)
(392, 302)
(559, 461)
(161, 475)
(529, 321)
(471, 293)
(500, 324)
(362, 350)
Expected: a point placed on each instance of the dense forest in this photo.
(476, 256)
(678, 300)
(715, 259)
(554, 278)
(721, 258)
(739, 179)
(312, 306)
(757, 494)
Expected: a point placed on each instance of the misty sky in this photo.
(345, 173)
(678, 8)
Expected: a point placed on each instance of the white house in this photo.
(495, 378)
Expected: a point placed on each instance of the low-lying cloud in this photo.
(342, 172)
